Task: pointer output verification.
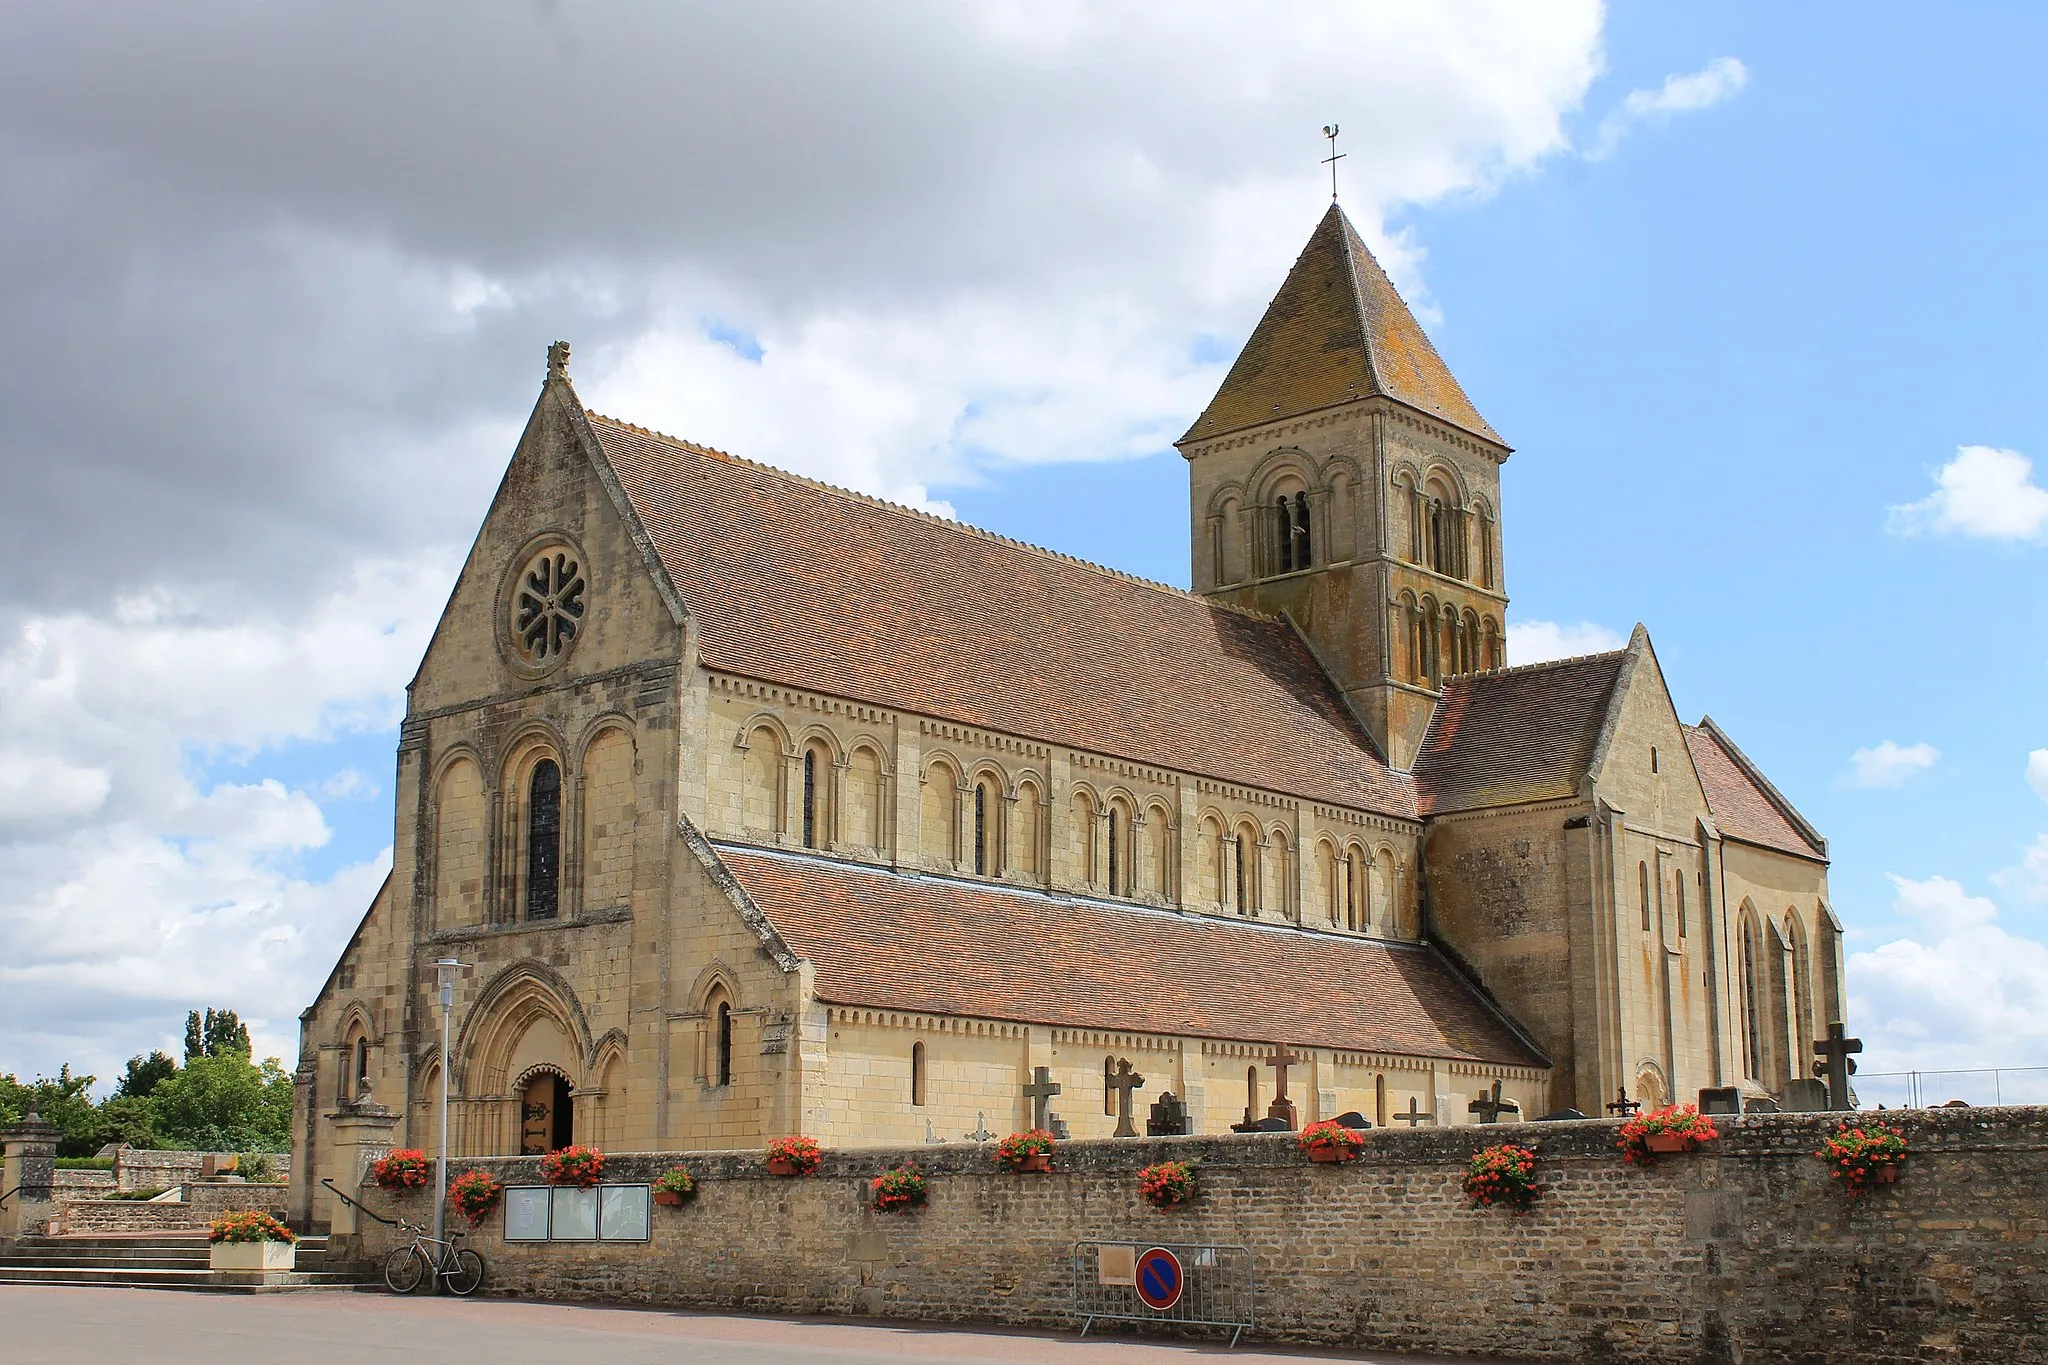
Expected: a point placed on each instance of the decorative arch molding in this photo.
(1224, 496)
(603, 724)
(1123, 794)
(355, 1013)
(988, 768)
(818, 733)
(1164, 810)
(497, 1019)
(610, 1047)
(1278, 464)
(1342, 464)
(455, 753)
(709, 981)
(942, 758)
(1649, 1069)
(1461, 488)
(535, 1072)
(769, 721)
(883, 763)
(534, 736)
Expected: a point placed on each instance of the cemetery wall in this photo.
(1743, 1252)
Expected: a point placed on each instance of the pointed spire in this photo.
(1335, 332)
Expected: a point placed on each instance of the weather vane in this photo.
(1335, 156)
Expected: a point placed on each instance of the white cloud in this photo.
(1960, 992)
(1983, 492)
(1889, 764)
(2037, 772)
(1533, 642)
(1721, 79)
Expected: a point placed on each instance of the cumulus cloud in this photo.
(1721, 79)
(1534, 642)
(1959, 991)
(1890, 764)
(2037, 772)
(1983, 492)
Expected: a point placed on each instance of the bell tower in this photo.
(1340, 477)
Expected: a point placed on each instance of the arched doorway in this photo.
(547, 1118)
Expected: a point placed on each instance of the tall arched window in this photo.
(1643, 881)
(362, 1069)
(810, 798)
(917, 1074)
(1116, 877)
(1755, 1050)
(1283, 534)
(723, 1069)
(1242, 849)
(980, 832)
(544, 841)
(1303, 556)
(1678, 885)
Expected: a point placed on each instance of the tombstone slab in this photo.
(1722, 1100)
(1805, 1097)
(1168, 1117)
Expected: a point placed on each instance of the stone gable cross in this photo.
(1833, 1052)
(1414, 1115)
(1124, 1080)
(1281, 1107)
(1040, 1092)
(1490, 1106)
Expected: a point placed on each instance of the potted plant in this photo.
(1331, 1141)
(900, 1190)
(1862, 1156)
(402, 1171)
(789, 1156)
(475, 1195)
(1028, 1151)
(1167, 1183)
(252, 1241)
(1502, 1175)
(1675, 1128)
(674, 1186)
(579, 1166)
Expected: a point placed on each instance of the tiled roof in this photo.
(944, 946)
(1521, 734)
(1743, 803)
(1336, 331)
(792, 582)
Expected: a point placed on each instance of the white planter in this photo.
(252, 1256)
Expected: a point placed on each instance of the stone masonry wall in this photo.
(202, 1204)
(1742, 1252)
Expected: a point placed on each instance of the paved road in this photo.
(84, 1326)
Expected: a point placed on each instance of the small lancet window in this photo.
(1302, 557)
(1243, 901)
(1643, 879)
(917, 1074)
(980, 832)
(811, 799)
(722, 1072)
(1678, 884)
(362, 1079)
(1115, 851)
(544, 841)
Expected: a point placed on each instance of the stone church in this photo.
(754, 806)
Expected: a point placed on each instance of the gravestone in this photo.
(1168, 1117)
(1490, 1106)
(1273, 1124)
(1805, 1097)
(1353, 1120)
(1560, 1116)
(1837, 1064)
(1058, 1126)
(1124, 1080)
(1281, 1107)
(1623, 1106)
(1040, 1092)
(1413, 1114)
(1761, 1104)
(981, 1132)
(1721, 1100)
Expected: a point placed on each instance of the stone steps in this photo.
(161, 1261)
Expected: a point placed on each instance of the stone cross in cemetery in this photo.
(1623, 1106)
(1833, 1052)
(1490, 1106)
(1282, 1107)
(981, 1132)
(1414, 1114)
(1040, 1092)
(1124, 1080)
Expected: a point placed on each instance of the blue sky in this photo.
(1736, 282)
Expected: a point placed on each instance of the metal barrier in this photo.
(1928, 1089)
(1217, 1287)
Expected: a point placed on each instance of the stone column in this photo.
(30, 1172)
(359, 1136)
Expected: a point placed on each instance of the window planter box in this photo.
(1332, 1156)
(1667, 1144)
(258, 1257)
(1886, 1175)
(1040, 1162)
(668, 1199)
(777, 1166)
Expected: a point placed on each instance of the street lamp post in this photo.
(445, 969)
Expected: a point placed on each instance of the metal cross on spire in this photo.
(1330, 131)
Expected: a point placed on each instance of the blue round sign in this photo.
(1159, 1279)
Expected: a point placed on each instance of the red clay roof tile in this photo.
(1521, 734)
(1740, 801)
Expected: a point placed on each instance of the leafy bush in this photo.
(800, 1152)
(676, 1180)
(1167, 1183)
(900, 1190)
(143, 1196)
(255, 1226)
(256, 1167)
(1014, 1150)
(84, 1163)
(474, 1194)
(577, 1165)
(1503, 1175)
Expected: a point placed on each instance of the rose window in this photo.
(547, 606)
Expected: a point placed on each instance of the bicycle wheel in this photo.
(404, 1269)
(465, 1272)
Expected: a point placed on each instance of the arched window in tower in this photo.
(1283, 534)
(544, 840)
(722, 1068)
(810, 798)
(1240, 849)
(980, 829)
(1303, 550)
(917, 1074)
(362, 1070)
(1643, 888)
(1116, 843)
(1486, 566)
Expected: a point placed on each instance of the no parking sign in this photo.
(1160, 1280)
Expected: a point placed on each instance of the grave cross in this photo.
(1124, 1080)
(1833, 1052)
(1490, 1106)
(1040, 1092)
(1414, 1115)
(1623, 1105)
(1281, 1107)
(981, 1132)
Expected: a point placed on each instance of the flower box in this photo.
(1027, 1151)
(1040, 1162)
(1331, 1156)
(1331, 1143)
(778, 1165)
(674, 1187)
(789, 1156)
(1667, 1143)
(1670, 1131)
(1887, 1175)
(668, 1199)
(252, 1256)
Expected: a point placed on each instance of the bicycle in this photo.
(457, 1267)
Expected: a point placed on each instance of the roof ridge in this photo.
(949, 523)
(1769, 789)
(1541, 663)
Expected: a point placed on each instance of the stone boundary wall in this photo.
(138, 1169)
(1742, 1252)
(81, 1184)
(201, 1205)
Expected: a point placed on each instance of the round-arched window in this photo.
(545, 605)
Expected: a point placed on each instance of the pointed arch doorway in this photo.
(547, 1116)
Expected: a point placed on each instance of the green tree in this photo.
(225, 1103)
(144, 1075)
(217, 1033)
(64, 1100)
